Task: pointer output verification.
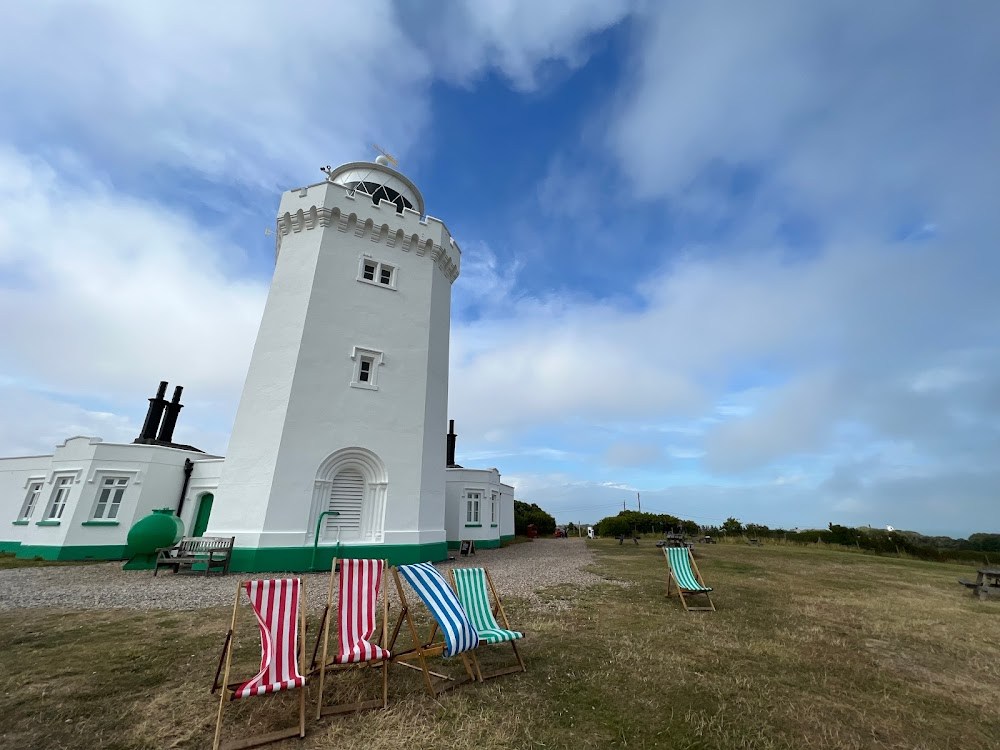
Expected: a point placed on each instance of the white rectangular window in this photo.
(493, 507)
(378, 273)
(366, 367)
(59, 497)
(110, 497)
(472, 506)
(34, 491)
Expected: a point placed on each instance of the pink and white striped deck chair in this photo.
(277, 605)
(361, 581)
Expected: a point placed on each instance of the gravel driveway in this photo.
(520, 570)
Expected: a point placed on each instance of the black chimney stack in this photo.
(170, 417)
(153, 415)
(451, 445)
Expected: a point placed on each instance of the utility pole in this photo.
(623, 506)
(639, 500)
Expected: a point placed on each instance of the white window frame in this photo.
(375, 359)
(378, 268)
(115, 486)
(31, 499)
(59, 497)
(493, 507)
(473, 498)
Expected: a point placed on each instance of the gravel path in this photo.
(520, 570)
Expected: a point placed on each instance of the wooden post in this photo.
(225, 677)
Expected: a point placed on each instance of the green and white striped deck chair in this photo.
(473, 586)
(685, 576)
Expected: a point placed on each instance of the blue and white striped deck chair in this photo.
(685, 576)
(460, 636)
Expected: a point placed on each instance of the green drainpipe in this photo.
(319, 521)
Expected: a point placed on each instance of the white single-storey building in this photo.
(339, 445)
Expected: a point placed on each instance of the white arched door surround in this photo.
(353, 483)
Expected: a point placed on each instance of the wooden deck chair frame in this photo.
(498, 610)
(423, 650)
(228, 688)
(324, 665)
(672, 582)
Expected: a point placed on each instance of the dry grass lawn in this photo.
(810, 648)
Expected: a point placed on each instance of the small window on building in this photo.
(377, 273)
(110, 497)
(366, 366)
(365, 369)
(472, 506)
(30, 501)
(59, 497)
(385, 274)
(493, 507)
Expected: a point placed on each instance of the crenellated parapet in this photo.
(330, 205)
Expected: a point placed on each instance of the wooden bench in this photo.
(210, 551)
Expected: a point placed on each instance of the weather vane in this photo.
(385, 154)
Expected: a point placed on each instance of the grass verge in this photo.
(809, 648)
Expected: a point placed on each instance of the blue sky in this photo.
(739, 258)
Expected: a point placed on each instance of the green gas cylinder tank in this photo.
(161, 528)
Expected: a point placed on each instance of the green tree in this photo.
(529, 513)
(732, 526)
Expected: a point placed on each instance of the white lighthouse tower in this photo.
(339, 441)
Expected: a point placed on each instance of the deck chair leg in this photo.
(222, 662)
(477, 675)
(427, 675)
(319, 639)
(385, 634)
(326, 639)
(302, 659)
(225, 678)
(517, 654)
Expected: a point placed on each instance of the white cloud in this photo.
(110, 295)
(257, 91)
(874, 111)
(514, 36)
(635, 454)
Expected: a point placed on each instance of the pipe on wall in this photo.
(188, 468)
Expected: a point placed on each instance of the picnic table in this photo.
(987, 583)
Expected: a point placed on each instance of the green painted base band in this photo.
(480, 544)
(263, 560)
(300, 559)
(506, 537)
(76, 552)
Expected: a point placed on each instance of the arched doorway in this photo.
(349, 497)
(201, 517)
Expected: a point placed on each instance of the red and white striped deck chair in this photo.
(278, 607)
(361, 581)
